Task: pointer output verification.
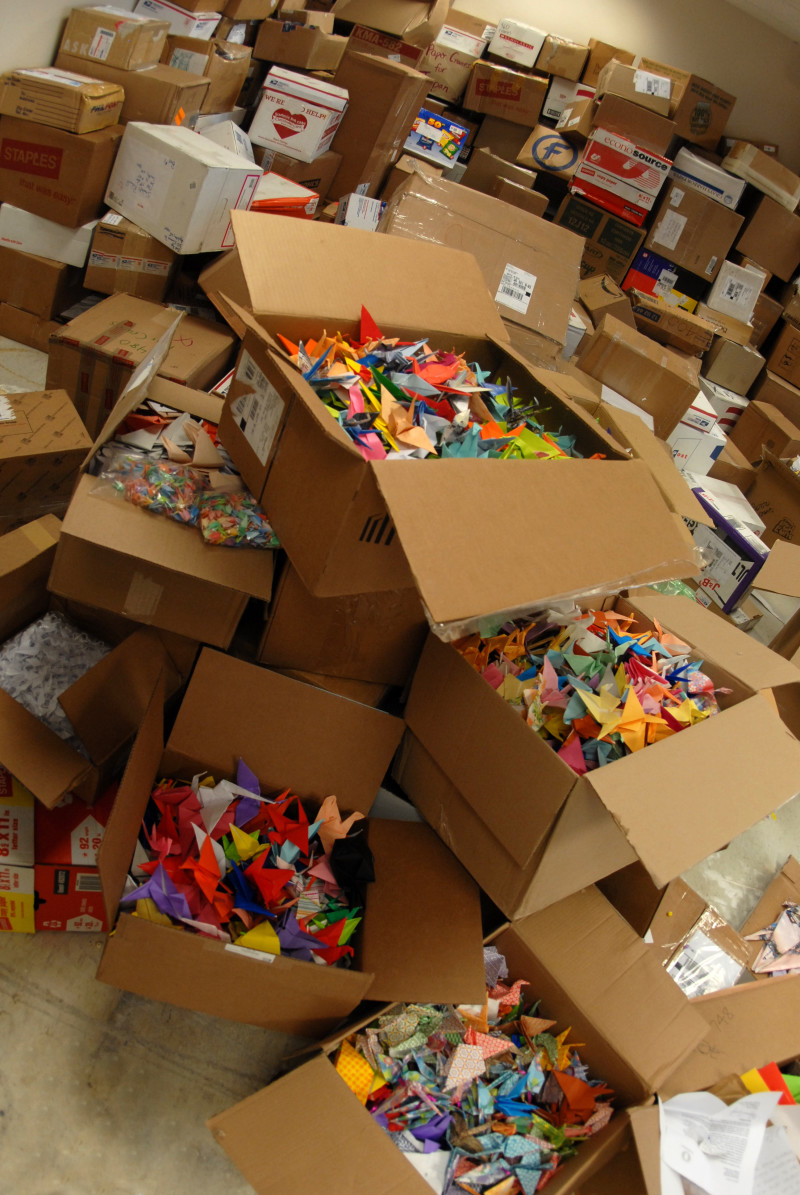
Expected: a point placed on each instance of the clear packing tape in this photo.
(699, 965)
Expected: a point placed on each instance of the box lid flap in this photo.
(780, 573)
(27, 558)
(647, 1139)
(694, 792)
(326, 273)
(39, 759)
(270, 721)
(462, 510)
(328, 1141)
(430, 956)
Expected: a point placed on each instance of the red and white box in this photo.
(69, 895)
(284, 197)
(619, 176)
(297, 114)
(68, 898)
(73, 831)
(517, 42)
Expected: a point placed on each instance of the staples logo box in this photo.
(30, 158)
(631, 163)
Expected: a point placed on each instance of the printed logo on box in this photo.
(499, 90)
(552, 152)
(29, 158)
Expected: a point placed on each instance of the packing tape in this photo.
(39, 536)
(142, 598)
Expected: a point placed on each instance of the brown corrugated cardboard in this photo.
(519, 196)
(561, 57)
(94, 355)
(303, 46)
(447, 60)
(670, 325)
(363, 691)
(28, 552)
(630, 120)
(416, 21)
(784, 357)
(775, 496)
(374, 637)
(363, 40)
(40, 454)
(526, 853)
(37, 284)
(771, 237)
(727, 326)
(764, 173)
(93, 34)
(25, 327)
(610, 244)
(530, 266)
(734, 366)
(693, 230)
(700, 109)
(60, 99)
(345, 541)
(507, 94)
(785, 887)
(61, 176)
(601, 52)
(352, 748)
(680, 913)
(780, 575)
(124, 257)
(779, 393)
(485, 168)
(608, 1000)
(404, 167)
(766, 314)
(316, 176)
(601, 296)
(733, 466)
(650, 375)
(223, 63)
(550, 153)
(617, 78)
(764, 426)
(385, 97)
(502, 137)
(156, 94)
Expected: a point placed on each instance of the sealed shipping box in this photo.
(113, 36)
(124, 257)
(157, 94)
(61, 99)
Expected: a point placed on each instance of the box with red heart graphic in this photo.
(297, 114)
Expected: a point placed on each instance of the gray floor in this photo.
(105, 1093)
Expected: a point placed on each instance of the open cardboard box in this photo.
(350, 526)
(150, 568)
(105, 705)
(530, 831)
(291, 735)
(610, 994)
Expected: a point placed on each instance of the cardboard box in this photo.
(779, 393)
(68, 898)
(766, 314)
(733, 553)
(784, 357)
(697, 441)
(508, 94)
(611, 244)
(95, 354)
(775, 496)
(41, 450)
(695, 944)
(113, 36)
(670, 325)
(771, 237)
(415, 21)
(22, 230)
(563, 94)
(619, 176)
(726, 326)
(648, 89)
(183, 22)
(693, 230)
(733, 466)
(28, 553)
(248, 10)
(404, 167)
(60, 99)
(125, 258)
(791, 303)
(436, 138)
(348, 540)
(353, 745)
(548, 153)
(700, 109)
(517, 42)
(518, 196)
(601, 296)
(517, 849)
(199, 183)
(763, 426)
(612, 1022)
(155, 94)
(363, 40)
(484, 169)
(779, 577)
(359, 211)
(385, 97)
(16, 821)
(728, 499)
(620, 116)
(734, 366)
(601, 52)
(25, 327)
(654, 275)
(529, 265)
(708, 178)
(651, 376)
(300, 46)
(280, 196)
(369, 636)
(561, 57)
(726, 403)
(297, 115)
(735, 291)
(37, 285)
(449, 57)
(223, 63)
(316, 176)
(61, 176)
(764, 173)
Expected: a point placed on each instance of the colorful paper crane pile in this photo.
(399, 399)
(481, 1099)
(591, 686)
(229, 863)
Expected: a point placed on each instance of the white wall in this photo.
(710, 37)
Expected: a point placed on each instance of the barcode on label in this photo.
(87, 882)
(666, 281)
(712, 265)
(734, 290)
(515, 289)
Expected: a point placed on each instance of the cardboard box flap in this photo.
(313, 1099)
(114, 856)
(780, 573)
(647, 1139)
(38, 758)
(673, 825)
(439, 508)
(164, 543)
(632, 430)
(434, 954)
(718, 641)
(270, 715)
(323, 274)
(616, 986)
(27, 558)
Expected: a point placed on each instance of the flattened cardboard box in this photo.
(61, 176)
(113, 37)
(41, 452)
(352, 747)
(610, 999)
(342, 537)
(157, 94)
(553, 832)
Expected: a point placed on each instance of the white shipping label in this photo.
(667, 279)
(259, 414)
(669, 229)
(187, 60)
(515, 289)
(741, 294)
(101, 44)
(649, 84)
(6, 410)
(676, 198)
(112, 218)
(361, 189)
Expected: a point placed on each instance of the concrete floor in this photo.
(106, 1093)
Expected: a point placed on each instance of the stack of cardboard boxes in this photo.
(564, 215)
